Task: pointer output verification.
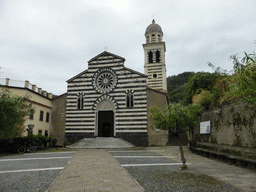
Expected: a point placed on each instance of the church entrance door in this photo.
(106, 123)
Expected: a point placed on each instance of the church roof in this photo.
(157, 90)
(105, 53)
(153, 27)
(71, 79)
(133, 71)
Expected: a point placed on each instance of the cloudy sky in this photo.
(49, 41)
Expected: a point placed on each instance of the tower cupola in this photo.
(154, 33)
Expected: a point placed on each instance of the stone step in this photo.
(101, 143)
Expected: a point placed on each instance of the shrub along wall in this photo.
(233, 127)
(12, 145)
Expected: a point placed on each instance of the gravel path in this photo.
(168, 177)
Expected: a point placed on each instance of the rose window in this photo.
(104, 80)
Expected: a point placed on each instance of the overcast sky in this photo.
(49, 41)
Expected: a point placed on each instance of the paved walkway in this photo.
(97, 170)
(93, 170)
(241, 178)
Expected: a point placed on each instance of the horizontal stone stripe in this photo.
(106, 58)
(132, 110)
(74, 91)
(150, 71)
(135, 106)
(73, 107)
(80, 127)
(158, 87)
(117, 92)
(119, 88)
(123, 77)
(118, 111)
(131, 126)
(79, 131)
(155, 80)
(130, 116)
(136, 86)
(106, 65)
(158, 67)
(132, 123)
(137, 95)
(80, 121)
(79, 83)
(154, 69)
(120, 101)
(131, 131)
(133, 120)
(76, 118)
(75, 124)
(85, 113)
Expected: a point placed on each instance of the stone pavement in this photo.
(101, 143)
(93, 170)
(241, 178)
(96, 170)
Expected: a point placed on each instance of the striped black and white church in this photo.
(111, 100)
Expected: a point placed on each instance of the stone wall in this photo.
(231, 125)
(156, 136)
(57, 128)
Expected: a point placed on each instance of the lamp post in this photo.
(30, 128)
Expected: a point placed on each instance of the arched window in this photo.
(150, 57)
(158, 56)
(129, 98)
(80, 101)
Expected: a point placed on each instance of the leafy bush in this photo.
(12, 145)
(199, 81)
(207, 100)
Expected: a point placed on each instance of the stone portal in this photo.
(106, 123)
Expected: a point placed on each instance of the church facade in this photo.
(111, 100)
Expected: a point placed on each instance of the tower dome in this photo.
(153, 28)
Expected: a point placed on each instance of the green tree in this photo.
(239, 84)
(244, 78)
(176, 86)
(198, 82)
(176, 119)
(13, 112)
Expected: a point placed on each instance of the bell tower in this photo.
(154, 56)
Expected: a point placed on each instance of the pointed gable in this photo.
(77, 76)
(105, 59)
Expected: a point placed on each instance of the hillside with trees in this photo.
(176, 86)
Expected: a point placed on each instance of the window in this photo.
(80, 101)
(40, 132)
(147, 39)
(150, 57)
(41, 118)
(154, 75)
(129, 98)
(47, 117)
(46, 133)
(31, 115)
(158, 56)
